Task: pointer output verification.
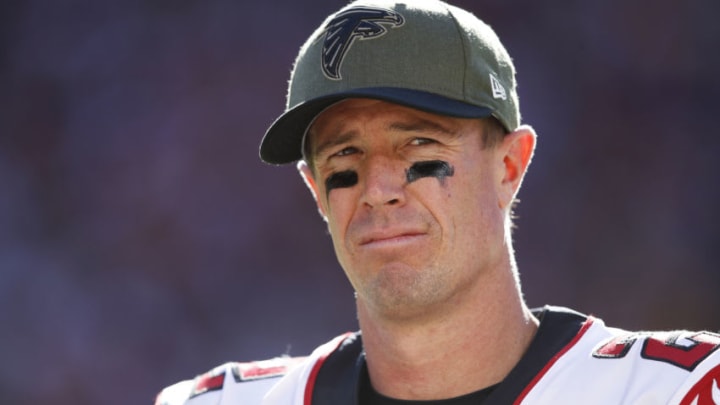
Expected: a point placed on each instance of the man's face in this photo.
(415, 204)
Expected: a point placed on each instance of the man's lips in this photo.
(383, 238)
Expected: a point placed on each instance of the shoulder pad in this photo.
(228, 383)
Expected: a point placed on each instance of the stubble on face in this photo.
(400, 283)
(410, 279)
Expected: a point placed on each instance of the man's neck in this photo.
(471, 345)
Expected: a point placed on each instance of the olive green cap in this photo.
(423, 54)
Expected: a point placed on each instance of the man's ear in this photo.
(309, 179)
(517, 150)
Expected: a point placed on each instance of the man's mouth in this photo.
(388, 238)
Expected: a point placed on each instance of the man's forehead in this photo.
(339, 119)
(334, 114)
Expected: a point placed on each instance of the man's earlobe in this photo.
(309, 179)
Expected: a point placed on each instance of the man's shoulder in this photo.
(247, 380)
(630, 367)
(662, 350)
(251, 382)
(675, 352)
(685, 364)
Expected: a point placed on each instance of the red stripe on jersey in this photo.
(254, 371)
(310, 386)
(555, 358)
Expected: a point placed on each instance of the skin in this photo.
(430, 259)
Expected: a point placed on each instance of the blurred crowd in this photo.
(143, 242)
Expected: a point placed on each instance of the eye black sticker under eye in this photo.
(344, 179)
(431, 168)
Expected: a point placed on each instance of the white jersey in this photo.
(573, 359)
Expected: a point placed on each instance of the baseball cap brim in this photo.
(283, 140)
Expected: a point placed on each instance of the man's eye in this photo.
(421, 141)
(346, 151)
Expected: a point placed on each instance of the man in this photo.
(404, 120)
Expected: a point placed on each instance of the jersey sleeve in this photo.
(230, 383)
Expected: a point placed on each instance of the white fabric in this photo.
(575, 377)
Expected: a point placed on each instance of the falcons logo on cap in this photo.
(341, 32)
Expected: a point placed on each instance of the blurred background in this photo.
(143, 242)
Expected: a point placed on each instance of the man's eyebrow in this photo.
(421, 125)
(416, 125)
(333, 142)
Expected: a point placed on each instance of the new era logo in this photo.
(498, 91)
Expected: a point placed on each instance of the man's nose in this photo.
(384, 182)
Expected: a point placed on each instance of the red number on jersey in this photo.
(210, 381)
(682, 349)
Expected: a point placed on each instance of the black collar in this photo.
(338, 379)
